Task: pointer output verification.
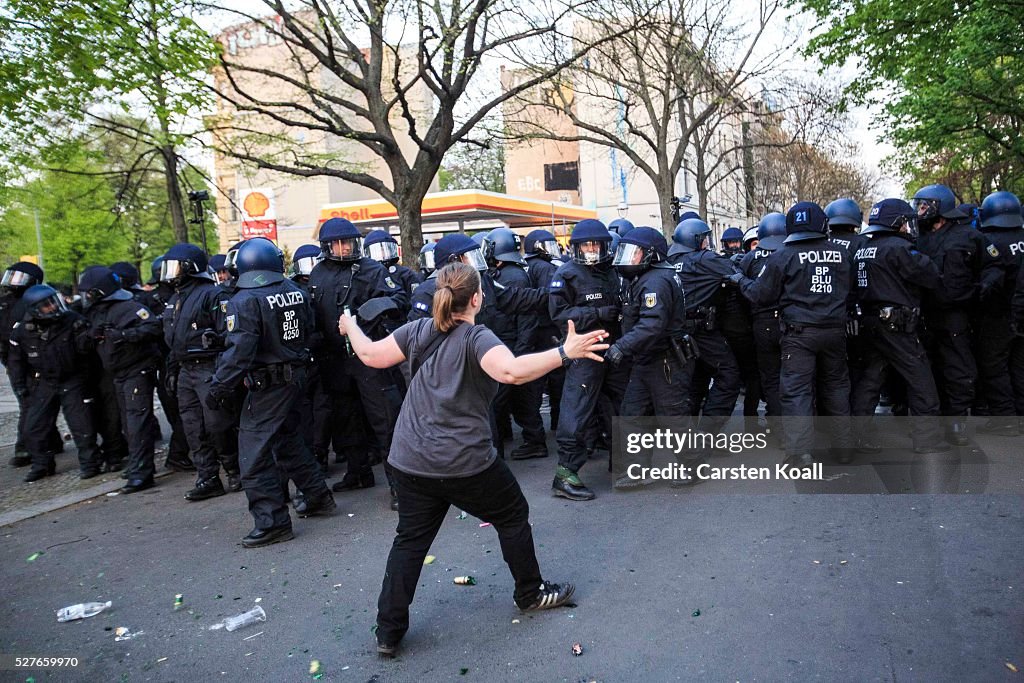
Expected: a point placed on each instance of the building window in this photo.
(233, 205)
(564, 176)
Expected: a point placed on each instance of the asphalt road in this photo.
(788, 586)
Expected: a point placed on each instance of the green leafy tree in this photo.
(950, 76)
(73, 65)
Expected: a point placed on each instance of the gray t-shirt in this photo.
(443, 430)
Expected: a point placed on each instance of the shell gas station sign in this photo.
(259, 215)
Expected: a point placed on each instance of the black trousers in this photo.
(378, 393)
(768, 341)
(552, 384)
(271, 448)
(814, 356)
(523, 403)
(135, 403)
(44, 401)
(177, 447)
(223, 427)
(903, 352)
(316, 406)
(493, 496)
(107, 418)
(659, 388)
(948, 343)
(993, 342)
(585, 382)
(719, 363)
(744, 350)
(193, 387)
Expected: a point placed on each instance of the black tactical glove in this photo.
(608, 313)
(613, 355)
(219, 395)
(736, 278)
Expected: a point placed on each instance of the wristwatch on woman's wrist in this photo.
(566, 361)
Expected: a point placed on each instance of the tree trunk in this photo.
(409, 202)
(666, 190)
(174, 200)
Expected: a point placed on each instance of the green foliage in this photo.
(88, 213)
(474, 167)
(951, 77)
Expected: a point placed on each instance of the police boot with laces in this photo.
(38, 473)
(207, 488)
(567, 484)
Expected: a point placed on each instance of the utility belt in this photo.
(269, 376)
(899, 318)
(796, 328)
(704, 318)
(682, 349)
(199, 360)
(772, 314)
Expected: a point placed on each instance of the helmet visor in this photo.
(590, 253)
(475, 258)
(427, 260)
(926, 209)
(383, 251)
(231, 261)
(628, 255)
(16, 278)
(549, 247)
(172, 271)
(348, 249)
(51, 307)
(304, 266)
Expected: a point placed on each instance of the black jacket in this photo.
(126, 334)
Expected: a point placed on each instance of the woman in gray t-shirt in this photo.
(442, 453)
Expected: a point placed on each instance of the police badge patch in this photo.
(223, 306)
(650, 299)
(390, 283)
(231, 323)
(992, 251)
(142, 313)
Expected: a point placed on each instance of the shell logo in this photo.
(256, 204)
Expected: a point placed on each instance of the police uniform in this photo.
(890, 276)
(1001, 380)
(316, 431)
(127, 334)
(703, 273)
(516, 331)
(335, 286)
(809, 277)
(969, 268)
(546, 334)
(767, 335)
(268, 322)
(193, 325)
(46, 362)
(590, 297)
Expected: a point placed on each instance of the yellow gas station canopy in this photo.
(463, 206)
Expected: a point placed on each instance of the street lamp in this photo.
(622, 209)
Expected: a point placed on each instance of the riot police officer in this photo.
(620, 227)
(126, 335)
(128, 278)
(844, 221)
(193, 330)
(771, 231)
(316, 429)
(426, 260)
(653, 339)
(732, 242)
(516, 330)
(218, 264)
(346, 279)
(17, 278)
(969, 266)
(540, 249)
(585, 290)
(47, 365)
(809, 278)
(703, 274)
(154, 296)
(225, 420)
(383, 248)
(1002, 381)
(890, 275)
(268, 324)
